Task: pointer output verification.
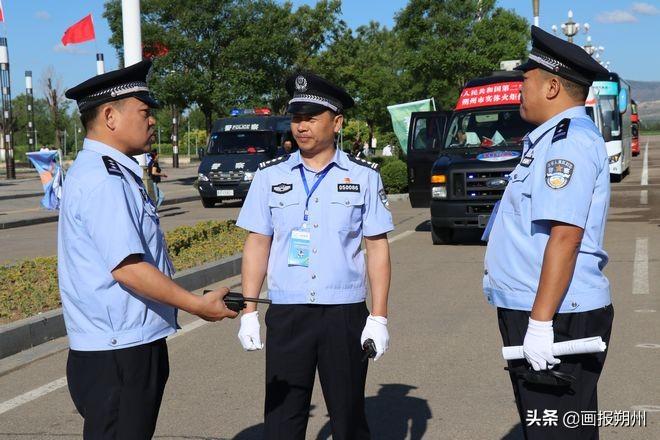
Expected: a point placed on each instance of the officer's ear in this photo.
(553, 86)
(338, 122)
(108, 116)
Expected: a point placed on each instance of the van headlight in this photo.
(439, 192)
(615, 158)
(247, 177)
(202, 177)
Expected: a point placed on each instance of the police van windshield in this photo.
(487, 129)
(241, 142)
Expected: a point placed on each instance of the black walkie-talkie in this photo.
(236, 301)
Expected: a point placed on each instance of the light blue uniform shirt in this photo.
(105, 216)
(348, 204)
(568, 181)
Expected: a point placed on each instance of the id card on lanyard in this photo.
(301, 238)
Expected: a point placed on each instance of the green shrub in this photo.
(394, 174)
(30, 286)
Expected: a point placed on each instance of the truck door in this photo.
(425, 140)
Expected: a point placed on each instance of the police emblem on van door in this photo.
(282, 188)
(558, 173)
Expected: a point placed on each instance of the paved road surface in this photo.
(443, 377)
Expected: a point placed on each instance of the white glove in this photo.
(376, 330)
(248, 334)
(537, 346)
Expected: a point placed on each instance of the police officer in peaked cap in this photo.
(307, 214)
(114, 269)
(545, 258)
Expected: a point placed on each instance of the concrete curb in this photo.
(395, 197)
(30, 332)
(55, 217)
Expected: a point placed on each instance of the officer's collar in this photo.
(106, 150)
(339, 159)
(573, 112)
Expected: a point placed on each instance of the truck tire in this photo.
(442, 235)
(208, 203)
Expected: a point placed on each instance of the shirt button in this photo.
(113, 341)
(316, 225)
(316, 199)
(485, 272)
(574, 304)
(314, 250)
(347, 202)
(515, 176)
(311, 300)
(312, 293)
(313, 276)
(281, 204)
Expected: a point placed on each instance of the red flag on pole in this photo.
(79, 32)
(2, 12)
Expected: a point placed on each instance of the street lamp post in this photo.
(6, 109)
(30, 110)
(535, 7)
(175, 137)
(570, 28)
(589, 48)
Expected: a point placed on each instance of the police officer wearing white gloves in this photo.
(307, 214)
(545, 258)
(114, 271)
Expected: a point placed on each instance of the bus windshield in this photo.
(610, 114)
(241, 142)
(487, 128)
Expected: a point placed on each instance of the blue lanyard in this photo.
(309, 192)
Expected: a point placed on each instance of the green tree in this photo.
(448, 42)
(224, 54)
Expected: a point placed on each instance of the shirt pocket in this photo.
(345, 213)
(518, 191)
(286, 212)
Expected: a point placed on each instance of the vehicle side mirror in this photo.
(607, 133)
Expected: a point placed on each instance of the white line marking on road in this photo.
(647, 345)
(61, 382)
(644, 197)
(400, 236)
(645, 311)
(641, 267)
(32, 395)
(645, 165)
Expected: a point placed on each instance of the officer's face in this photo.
(532, 96)
(315, 133)
(134, 126)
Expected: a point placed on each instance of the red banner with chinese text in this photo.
(504, 93)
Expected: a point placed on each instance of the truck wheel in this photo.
(208, 203)
(442, 235)
(616, 178)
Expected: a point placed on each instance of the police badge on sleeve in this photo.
(558, 173)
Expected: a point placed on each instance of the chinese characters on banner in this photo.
(488, 95)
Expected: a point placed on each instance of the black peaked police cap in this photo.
(113, 86)
(562, 58)
(311, 95)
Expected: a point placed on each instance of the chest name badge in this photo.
(282, 188)
(558, 173)
(527, 161)
(348, 187)
(299, 244)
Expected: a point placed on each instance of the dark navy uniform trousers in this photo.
(300, 339)
(118, 392)
(582, 395)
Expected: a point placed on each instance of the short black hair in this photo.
(576, 91)
(87, 117)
